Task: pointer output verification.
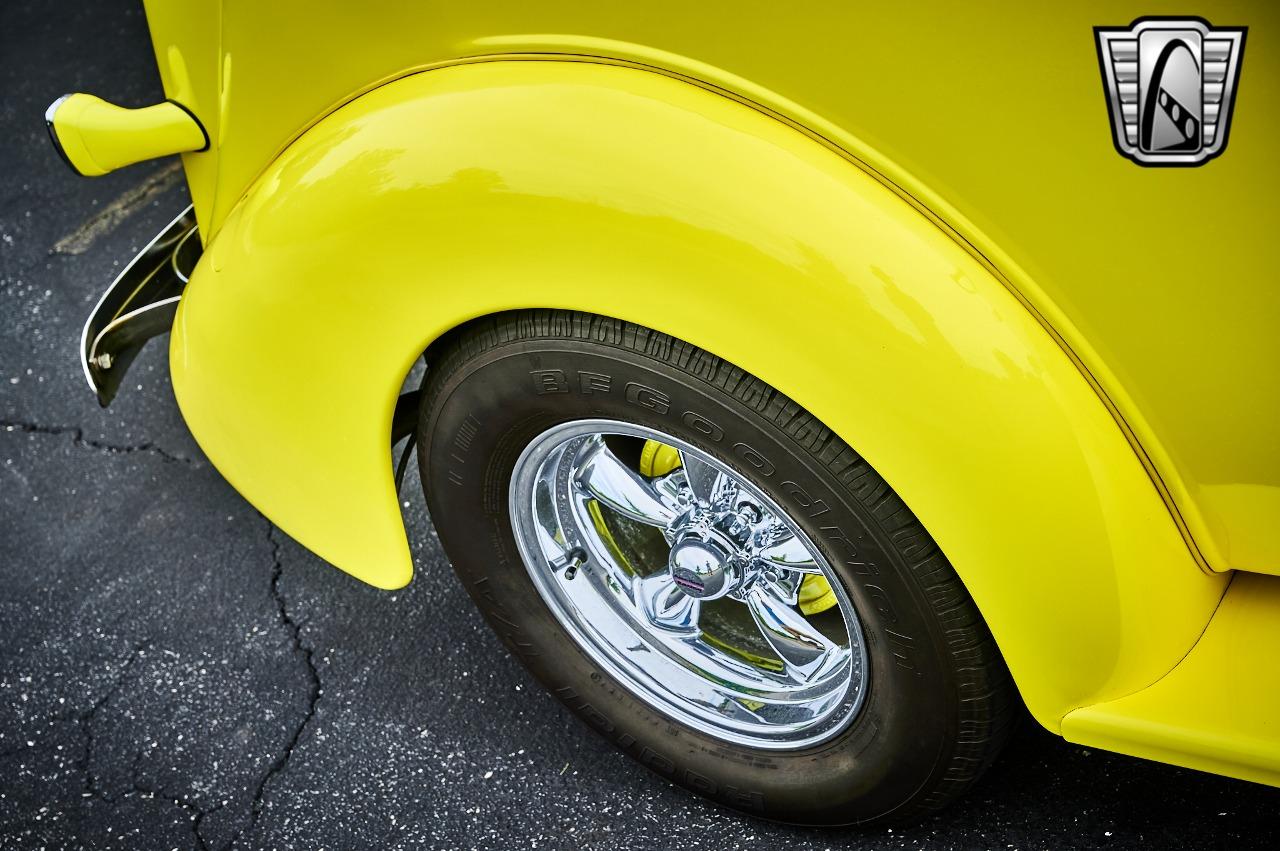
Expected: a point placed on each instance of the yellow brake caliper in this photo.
(658, 459)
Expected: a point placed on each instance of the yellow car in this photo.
(806, 387)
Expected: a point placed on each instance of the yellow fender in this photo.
(473, 189)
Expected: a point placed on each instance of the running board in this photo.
(1219, 709)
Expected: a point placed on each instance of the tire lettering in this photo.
(903, 649)
(596, 718)
(657, 761)
(647, 397)
(593, 382)
(835, 536)
(702, 425)
(813, 507)
(882, 604)
(743, 799)
(466, 433)
(549, 381)
(754, 458)
(698, 783)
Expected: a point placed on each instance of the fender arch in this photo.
(473, 189)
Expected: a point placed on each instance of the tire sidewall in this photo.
(479, 416)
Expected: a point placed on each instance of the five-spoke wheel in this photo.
(705, 573)
(686, 585)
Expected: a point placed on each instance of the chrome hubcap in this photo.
(685, 586)
(701, 569)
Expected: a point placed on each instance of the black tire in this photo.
(939, 700)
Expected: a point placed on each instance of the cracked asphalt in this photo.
(176, 673)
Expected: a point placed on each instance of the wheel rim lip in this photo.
(640, 681)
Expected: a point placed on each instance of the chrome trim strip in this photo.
(140, 297)
(53, 134)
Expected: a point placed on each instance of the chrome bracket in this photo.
(140, 304)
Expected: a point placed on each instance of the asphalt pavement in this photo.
(176, 673)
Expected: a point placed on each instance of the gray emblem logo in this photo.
(1170, 84)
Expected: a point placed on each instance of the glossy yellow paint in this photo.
(1217, 711)
(98, 137)
(658, 459)
(500, 185)
(1158, 282)
(815, 595)
(188, 49)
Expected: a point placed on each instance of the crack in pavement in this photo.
(314, 690)
(198, 813)
(286, 620)
(85, 721)
(77, 436)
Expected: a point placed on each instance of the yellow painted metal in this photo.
(186, 39)
(473, 189)
(1158, 282)
(1219, 710)
(658, 459)
(816, 595)
(99, 137)
(606, 536)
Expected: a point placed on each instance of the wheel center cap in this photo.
(701, 569)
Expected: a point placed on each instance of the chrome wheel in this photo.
(687, 586)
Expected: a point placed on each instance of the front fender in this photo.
(479, 188)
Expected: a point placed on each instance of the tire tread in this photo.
(986, 696)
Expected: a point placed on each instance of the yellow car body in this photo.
(928, 195)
